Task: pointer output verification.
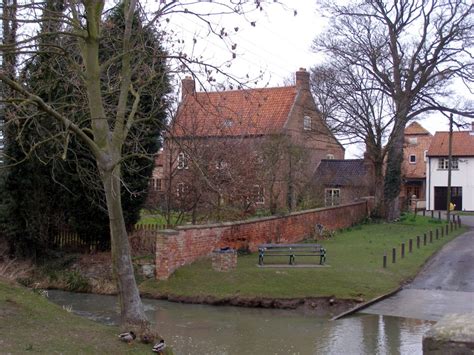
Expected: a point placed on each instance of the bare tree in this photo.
(107, 123)
(357, 110)
(415, 50)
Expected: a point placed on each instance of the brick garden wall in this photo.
(175, 248)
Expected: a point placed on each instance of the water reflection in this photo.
(201, 329)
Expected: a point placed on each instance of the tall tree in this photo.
(107, 123)
(357, 110)
(417, 71)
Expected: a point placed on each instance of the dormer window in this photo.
(182, 161)
(307, 123)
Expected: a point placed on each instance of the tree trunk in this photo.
(378, 188)
(131, 308)
(393, 172)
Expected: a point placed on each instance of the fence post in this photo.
(431, 236)
(410, 245)
(385, 259)
(394, 255)
(437, 234)
(418, 242)
(403, 250)
(424, 238)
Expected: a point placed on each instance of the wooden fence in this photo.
(71, 241)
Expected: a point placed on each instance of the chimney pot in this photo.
(472, 129)
(302, 79)
(187, 86)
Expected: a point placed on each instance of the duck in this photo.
(127, 337)
(159, 347)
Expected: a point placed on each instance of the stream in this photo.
(225, 330)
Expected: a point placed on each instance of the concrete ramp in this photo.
(424, 304)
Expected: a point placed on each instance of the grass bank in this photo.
(354, 268)
(30, 323)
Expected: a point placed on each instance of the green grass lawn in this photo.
(29, 323)
(354, 259)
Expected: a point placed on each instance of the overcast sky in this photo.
(278, 44)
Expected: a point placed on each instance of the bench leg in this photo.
(292, 260)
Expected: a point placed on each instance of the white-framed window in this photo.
(181, 189)
(330, 156)
(425, 153)
(443, 163)
(412, 140)
(307, 123)
(157, 184)
(332, 197)
(412, 159)
(183, 161)
(258, 194)
(221, 165)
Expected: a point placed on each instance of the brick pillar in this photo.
(163, 265)
(224, 260)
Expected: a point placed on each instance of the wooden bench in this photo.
(292, 251)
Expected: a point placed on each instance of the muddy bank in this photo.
(320, 306)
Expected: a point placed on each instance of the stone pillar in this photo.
(224, 259)
(452, 335)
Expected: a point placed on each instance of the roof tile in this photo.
(463, 144)
(234, 113)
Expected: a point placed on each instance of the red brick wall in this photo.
(184, 245)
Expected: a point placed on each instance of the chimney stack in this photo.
(187, 86)
(302, 79)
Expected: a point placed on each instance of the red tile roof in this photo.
(463, 144)
(416, 129)
(234, 113)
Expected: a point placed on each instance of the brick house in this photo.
(417, 142)
(462, 175)
(338, 182)
(245, 148)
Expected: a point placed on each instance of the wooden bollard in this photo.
(447, 229)
(442, 232)
(403, 250)
(459, 220)
(385, 259)
(424, 213)
(432, 213)
(410, 245)
(451, 226)
(418, 242)
(424, 238)
(439, 215)
(394, 255)
(431, 236)
(437, 233)
(454, 218)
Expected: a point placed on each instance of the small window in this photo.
(258, 194)
(228, 122)
(156, 185)
(412, 140)
(332, 197)
(412, 158)
(181, 189)
(307, 123)
(443, 163)
(221, 165)
(182, 161)
(330, 156)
